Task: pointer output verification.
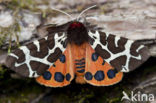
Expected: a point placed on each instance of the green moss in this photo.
(2, 72)
(18, 4)
(21, 92)
(9, 32)
(82, 96)
(32, 5)
(15, 6)
(15, 99)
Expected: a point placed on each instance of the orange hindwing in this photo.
(98, 72)
(61, 73)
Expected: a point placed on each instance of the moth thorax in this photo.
(77, 33)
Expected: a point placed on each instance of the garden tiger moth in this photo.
(94, 57)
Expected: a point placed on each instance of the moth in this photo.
(77, 51)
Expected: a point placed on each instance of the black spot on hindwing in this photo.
(62, 58)
(95, 56)
(47, 75)
(59, 77)
(99, 75)
(68, 77)
(111, 73)
(88, 76)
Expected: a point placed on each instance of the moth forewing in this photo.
(35, 58)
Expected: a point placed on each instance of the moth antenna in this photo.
(63, 13)
(85, 11)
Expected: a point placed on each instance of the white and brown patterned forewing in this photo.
(35, 58)
(123, 54)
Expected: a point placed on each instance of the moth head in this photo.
(77, 33)
(76, 25)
